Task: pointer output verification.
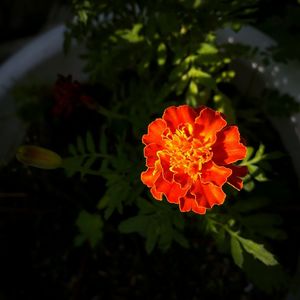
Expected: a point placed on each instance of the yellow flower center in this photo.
(187, 153)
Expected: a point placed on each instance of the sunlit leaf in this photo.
(236, 251)
(258, 251)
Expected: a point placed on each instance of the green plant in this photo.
(142, 58)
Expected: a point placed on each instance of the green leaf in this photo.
(162, 54)
(236, 251)
(131, 35)
(180, 239)
(152, 236)
(103, 142)
(90, 143)
(208, 53)
(202, 77)
(193, 88)
(250, 151)
(80, 145)
(224, 105)
(145, 206)
(134, 224)
(90, 228)
(72, 150)
(258, 251)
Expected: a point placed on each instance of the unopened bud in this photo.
(38, 157)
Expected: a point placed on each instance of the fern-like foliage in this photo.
(160, 225)
(84, 155)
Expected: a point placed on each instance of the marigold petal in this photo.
(198, 209)
(235, 178)
(228, 148)
(183, 179)
(172, 191)
(188, 203)
(165, 166)
(155, 131)
(207, 194)
(150, 153)
(210, 122)
(156, 195)
(174, 116)
(185, 203)
(211, 172)
(149, 176)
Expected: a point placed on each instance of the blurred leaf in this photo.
(90, 143)
(202, 77)
(162, 54)
(132, 35)
(90, 228)
(134, 224)
(224, 105)
(80, 145)
(258, 251)
(236, 251)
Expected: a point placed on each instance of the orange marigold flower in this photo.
(189, 157)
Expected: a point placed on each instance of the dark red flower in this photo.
(189, 157)
(68, 94)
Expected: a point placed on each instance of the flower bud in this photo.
(38, 157)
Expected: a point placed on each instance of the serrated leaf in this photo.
(250, 151)
(90, 143)
(90, 227)
(258, 251)
(72, 165)
(87, 166)
(72, 150)
(178, 221)
(251, 204)
(134, 224)
(103, 142)
(152, 236)
(180, 239)
(145, 206)
(236, 251)
(260, 152)
(80, 145)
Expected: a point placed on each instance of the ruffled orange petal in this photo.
(174, 116)
(213, 173)
(165, 166)
(156, 195)
(183, 179)
(235, 179)
(207, 194)
(185, 203)
(228, 148)
(198, 209)
(188, 203)
(150, 153)
(149, 176)
(155, 131)
(172, 191)
(210, 122)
